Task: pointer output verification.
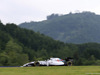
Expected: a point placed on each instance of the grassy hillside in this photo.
(61, 70)
(70, 28)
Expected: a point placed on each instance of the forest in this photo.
(74, 28)
(19, 46)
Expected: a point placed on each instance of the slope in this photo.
(71, 28)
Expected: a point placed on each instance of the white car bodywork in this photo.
(52, 61)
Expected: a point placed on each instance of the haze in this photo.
(18, 11)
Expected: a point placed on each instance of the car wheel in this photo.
(37, 64)
(69, 63)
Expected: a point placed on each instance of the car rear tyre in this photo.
(69, 63)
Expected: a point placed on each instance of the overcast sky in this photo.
(18, 11)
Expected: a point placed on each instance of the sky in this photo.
(19, 11)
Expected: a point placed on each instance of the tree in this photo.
(64, 52)
(14, 52)
(42, 54)
(4, 59)
(52, 16)
(12, 46)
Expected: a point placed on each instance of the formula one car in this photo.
(50, 62)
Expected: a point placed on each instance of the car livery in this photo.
(50, 62)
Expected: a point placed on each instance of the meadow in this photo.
(51, 70)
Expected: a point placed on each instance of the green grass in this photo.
(54, 70)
